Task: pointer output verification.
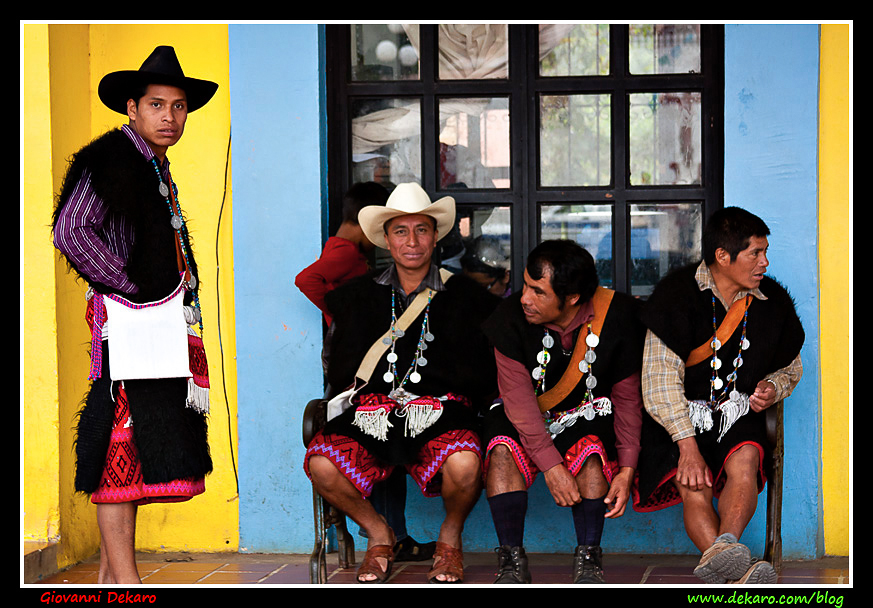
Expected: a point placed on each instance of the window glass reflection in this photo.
(386, 141)
(469, 51)
(575, 144)
(474, 142)
(664, 237)
(665, 138)
(574, 49)
(384, 51)
(480, 245)
(588, 225)
(664, 49)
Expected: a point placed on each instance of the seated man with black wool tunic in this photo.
(568, 357)
(409, 342)
(723, 345)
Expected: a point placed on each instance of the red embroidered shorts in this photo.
(363, 470)
(574, 458)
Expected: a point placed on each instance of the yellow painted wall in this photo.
(68, 61)
(835, 233)
(39, 422)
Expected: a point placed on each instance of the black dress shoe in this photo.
(512, 566)
(588, 565)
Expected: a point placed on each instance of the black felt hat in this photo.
(161, 67)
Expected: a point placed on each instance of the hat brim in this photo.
(117, 87)
(372, 219)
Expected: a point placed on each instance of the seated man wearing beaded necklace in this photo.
(723, 345)
(119, 224)
(408, 342)
(568, 357)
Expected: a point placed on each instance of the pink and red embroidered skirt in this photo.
(122, 479)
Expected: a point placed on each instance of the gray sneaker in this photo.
(588, 565)
(759, 573)
(512, 566)
(726, 560)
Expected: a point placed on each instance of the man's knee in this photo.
(503, 474)
(590, 479)
(743, 463)
(463, 468)
(693, 497)
(322, 471)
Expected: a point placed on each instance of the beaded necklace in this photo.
(543, 357)
(177, 221)
(724, 398)
(418, 360)
(590, 407)
(717, 388)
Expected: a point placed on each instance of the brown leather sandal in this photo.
(448, 561)
(369, 565)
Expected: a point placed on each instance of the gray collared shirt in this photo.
(432, 280)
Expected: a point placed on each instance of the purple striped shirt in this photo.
(99, 250)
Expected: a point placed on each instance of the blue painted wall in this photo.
(771, 168)
(276, 134)
(278, 184)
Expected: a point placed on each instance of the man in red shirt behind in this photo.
(345, 254)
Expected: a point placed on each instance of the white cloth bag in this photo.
(147, 341)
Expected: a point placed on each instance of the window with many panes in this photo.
(609, 135)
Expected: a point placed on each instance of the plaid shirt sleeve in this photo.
(663, 388)
(786, 378)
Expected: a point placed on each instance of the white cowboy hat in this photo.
(406, 199)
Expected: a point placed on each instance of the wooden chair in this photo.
(773, 467)
(325, 514)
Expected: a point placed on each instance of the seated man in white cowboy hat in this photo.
(119, 224)
(408, 341)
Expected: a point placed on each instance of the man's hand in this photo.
(763, 397)
(692, 471)
(562, 485)
(619, 492)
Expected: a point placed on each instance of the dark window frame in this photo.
(523, 87)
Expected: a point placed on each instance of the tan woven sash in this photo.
(371, 359)
(601, 300)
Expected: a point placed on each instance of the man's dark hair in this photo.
(571, 266)
(731, 229)
(361, 195)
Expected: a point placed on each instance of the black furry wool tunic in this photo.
(170, 437)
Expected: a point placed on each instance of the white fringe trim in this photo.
(375, 424)
(419, 416)
(198, 397)
(731, 411)
(700, 415)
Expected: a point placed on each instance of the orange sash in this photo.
(601, 300)
(724, 332)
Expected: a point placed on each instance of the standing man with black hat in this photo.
(142, 433)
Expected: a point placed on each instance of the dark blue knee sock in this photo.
(588, 518)
(508, 511)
